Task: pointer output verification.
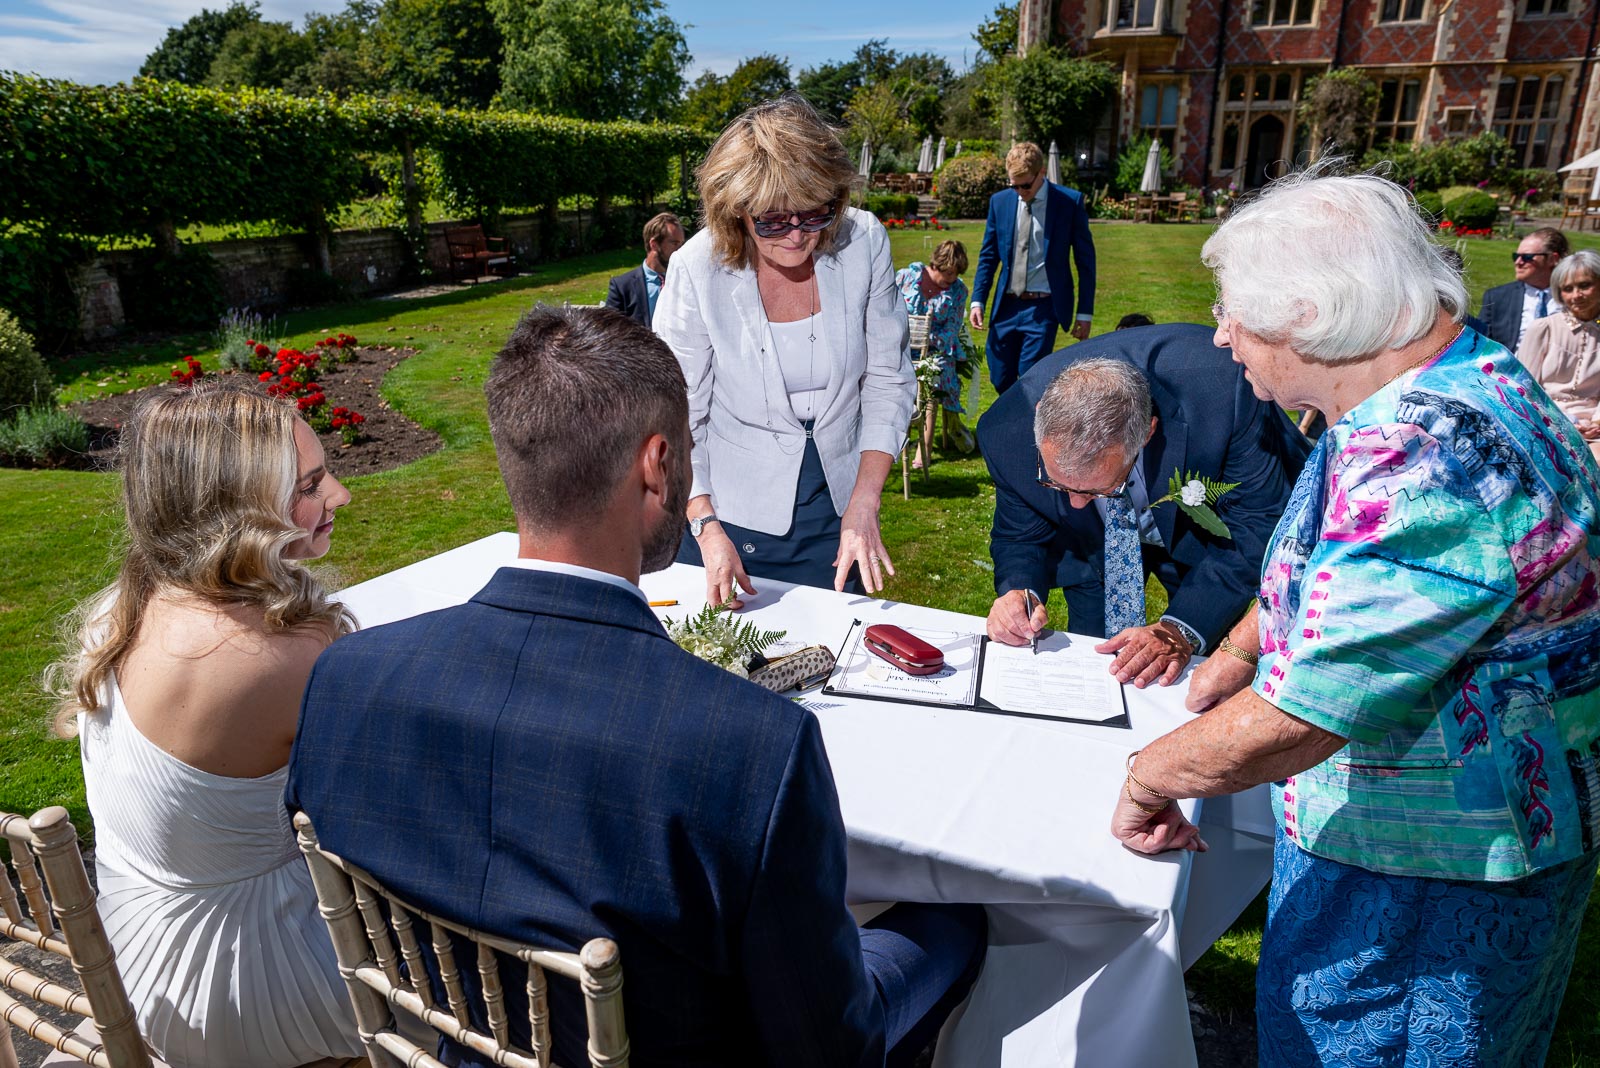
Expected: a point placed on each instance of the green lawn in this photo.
(58, 530)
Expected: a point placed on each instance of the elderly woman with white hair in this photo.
(1562, 350)
(1427, 698)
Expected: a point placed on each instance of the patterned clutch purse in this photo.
(793, 671)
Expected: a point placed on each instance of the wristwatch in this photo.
(1190, 635)
(698, 523)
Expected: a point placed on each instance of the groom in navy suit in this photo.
(1033, 225)
(1079, 450)
(544, 764)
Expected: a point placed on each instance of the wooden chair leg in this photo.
(929, 414)
(905, 472)
(602, 997)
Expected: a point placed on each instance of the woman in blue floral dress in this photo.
(1418, 677)
(935, 289)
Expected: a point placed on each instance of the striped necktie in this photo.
(1544, 304)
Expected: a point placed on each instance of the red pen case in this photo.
(904, 650)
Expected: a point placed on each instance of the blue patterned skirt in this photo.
(1365, 969)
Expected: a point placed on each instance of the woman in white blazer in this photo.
(784, 316)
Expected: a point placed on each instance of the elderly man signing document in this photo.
(1427, 701)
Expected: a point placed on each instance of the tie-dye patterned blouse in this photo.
(1431, 595)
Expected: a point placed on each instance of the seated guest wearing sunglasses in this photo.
(1510, 309)
(785, 318)
(1091, 436)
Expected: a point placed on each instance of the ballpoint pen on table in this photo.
(1028, 600)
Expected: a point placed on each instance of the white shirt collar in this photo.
(577, 571)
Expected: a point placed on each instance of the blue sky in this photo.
(105, 40)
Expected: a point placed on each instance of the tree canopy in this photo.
(714, 101)
(261, 55)
(591, 59)
(446, 51)
(185, 54)
(1057, 96)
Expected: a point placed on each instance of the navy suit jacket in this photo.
(1066, 229)
(1210, 422)
(1502, 313)
(543, 763)
(629, 295)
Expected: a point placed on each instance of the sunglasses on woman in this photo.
(778, 223)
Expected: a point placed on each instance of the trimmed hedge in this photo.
(86, 162)
(1431, 204)
(146, 158)
(965, 184)
(24, 379)
(892, 205)
(1473, 211)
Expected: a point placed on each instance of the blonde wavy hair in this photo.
(209, 475)
(779, 155)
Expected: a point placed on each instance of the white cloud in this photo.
(99, 41)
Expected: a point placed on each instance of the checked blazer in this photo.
(544, 763)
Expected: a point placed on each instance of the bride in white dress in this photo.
(185, 693)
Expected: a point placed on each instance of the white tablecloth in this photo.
(1087, 941)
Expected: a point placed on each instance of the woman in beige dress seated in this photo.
(184, 691)
(1562, 350)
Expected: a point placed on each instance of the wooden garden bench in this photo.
(470, 250)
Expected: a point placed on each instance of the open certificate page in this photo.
(862, 673)
(1067, 680)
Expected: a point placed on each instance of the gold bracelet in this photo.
(1127, 788)
(1233, 650)
(1140, 785)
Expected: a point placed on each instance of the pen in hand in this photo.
(1028, 601)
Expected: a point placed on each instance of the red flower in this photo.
(264, 375)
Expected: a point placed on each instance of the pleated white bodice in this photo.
(209, 906)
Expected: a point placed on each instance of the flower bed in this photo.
(915, 224)
(359, 431)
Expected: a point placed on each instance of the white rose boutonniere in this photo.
(1197, 496)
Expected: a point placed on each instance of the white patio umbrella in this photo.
(939, 159)
(925, 160)
(1152, 170)
(1584, 163)
(866, 160)
(958, 149)
(1055, 164)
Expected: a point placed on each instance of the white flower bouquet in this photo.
(716, 636)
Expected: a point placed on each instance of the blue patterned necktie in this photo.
(1544, 304)
(1124, 566)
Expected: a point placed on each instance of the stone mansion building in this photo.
(1219, 80)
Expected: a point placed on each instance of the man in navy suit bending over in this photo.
(543, 763)
(1079, 450)
(1032, 226)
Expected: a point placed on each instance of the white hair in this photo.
(1568, 268)
(1337, 267)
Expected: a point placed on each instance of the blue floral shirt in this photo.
(1432, 594)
